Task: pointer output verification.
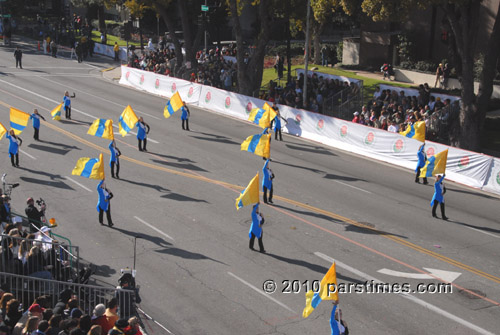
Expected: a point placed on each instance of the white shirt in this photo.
(392, 129)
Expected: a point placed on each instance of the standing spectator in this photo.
(14, 144)
(96, 330)
(133, 327)
(118, 328)
(420, 164)
(324, 56)
(54, 322)
(439, 75)
(256, 228)
(18, 55)
(103, 205)
(356, 117)
(13, 313)
(438, 198)
(53, 48)
(129, 296)
(31, 326)
(60, 306)
(185, 116)
(35, 117)
(142, 132)
(267, 182)
(114, 159)
(99, 319)
(446, 76)
(111, 315)
(116, 49)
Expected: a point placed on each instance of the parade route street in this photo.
(196, 272)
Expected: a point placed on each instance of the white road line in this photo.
(261, 292)
(27, 154)
(56, 102)
(153, 227)
(150, 318)
(408, 296)
(72, 75)
(98, 97)
(484, 232)
(357, 188)
(82, 186)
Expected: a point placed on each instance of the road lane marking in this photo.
(407, 295)
(153, 227)
(484, 232)
(448, 276)
(261, 292)
(157, 323)
(55, 102)
(27, 154)
(237, 188)
(357, 188)
(101, 98)
(77, 183)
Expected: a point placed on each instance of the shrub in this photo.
(425, 66)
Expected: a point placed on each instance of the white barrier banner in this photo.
(463, 166)
(107, 50)
(161, 85)
(328, 76)
(410, 92)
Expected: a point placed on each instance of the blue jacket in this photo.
(141, 130)
(115, 153)
(255, 227)
(13, 144)
(277, 123)
(421, 158)
(185, 113)
(36, 120)
(103, 196)
(67, 101)
(438, 192)
(266, 179)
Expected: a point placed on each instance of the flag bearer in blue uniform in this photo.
(438, 198)
(256, 228)
(103, 204)
(114, 160)
(142, 131)
(35, 117)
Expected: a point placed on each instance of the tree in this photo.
(251, 65)
(463, 18)
(100, 9)
(322, 10)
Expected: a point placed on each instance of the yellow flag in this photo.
(250, 195)
(3, 131)
(92, 168)
(127, 120)
(328, 291)
(435, 165)
(18, 120)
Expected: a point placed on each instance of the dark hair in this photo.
(112, 303)
(85, 322)
(43, 325)
(72, 303)
(55, 320)
(12, 306)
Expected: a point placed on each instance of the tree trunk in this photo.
(190, 44)
(100, 17)
(317, 31)
(250, 73)
(169, 22)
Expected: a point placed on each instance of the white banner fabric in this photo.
(107, 50)
(329, 76)
(410, 92)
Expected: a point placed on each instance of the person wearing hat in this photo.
(35, 310)
(420, 164)
(98, 318)
(14, 144)
(119, 327)
(103, 205)
(438, 197)
(35, 117)
(76, 313)
(356, 117)
(34, 215)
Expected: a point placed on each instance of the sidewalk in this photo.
(113, 73)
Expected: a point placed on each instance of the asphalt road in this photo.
(196, 272)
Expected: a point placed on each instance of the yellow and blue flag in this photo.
(56, 112)
(328, 291)
(262, 116)
(173, 105)
(416, 131)
(92, 168)
(127, 120)
(102, 128)
(259, 144)
(435, 165)
(250, 195)
(3, 130)
(18, 120)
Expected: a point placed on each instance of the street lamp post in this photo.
(304, 94)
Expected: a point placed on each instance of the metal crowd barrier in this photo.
(26, 289)
(55, 260)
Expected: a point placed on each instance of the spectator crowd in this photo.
(393, 111)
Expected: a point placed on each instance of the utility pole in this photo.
(304, 93)
(205, 13)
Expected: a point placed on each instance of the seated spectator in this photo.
(98, 318)
(118, 328)
(393, 127)
(133, 327)
(356, 117)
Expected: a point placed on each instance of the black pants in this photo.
(187, 124)
(252, 239)
(276, 132)
(113, 164)
(116, 56)
(108, 215)
(143, 148)
(68, 112)
(35, 135)
(417, 177)
(434, 206)
(12, 159)
(19, 63)
(270, 194)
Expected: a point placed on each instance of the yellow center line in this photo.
(395, 239)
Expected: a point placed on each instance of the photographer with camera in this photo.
(34, 215)
(127, 296)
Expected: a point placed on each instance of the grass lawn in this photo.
(369, 84)
(96, 36)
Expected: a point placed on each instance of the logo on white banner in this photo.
(157, 83)
(321, 125)
(208, 97)
(227, 102)
(344, 131)
(369, 138)
(398, 146)
(174, 87)
(190, 93)
(463, 162)
(142, 80)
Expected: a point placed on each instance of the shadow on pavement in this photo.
(310, 266)
(484, 229)
(48, 149)
(217, 139)
(374, 231)
(179, 159)
(43, 173)
(186, 254)
(316, 215)
(155, 187)
(344, 178)
(472, 193)
(299, 167)
(180, 165)
(180, 197)
(159, 241)
(65, 146)
(57, 184)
